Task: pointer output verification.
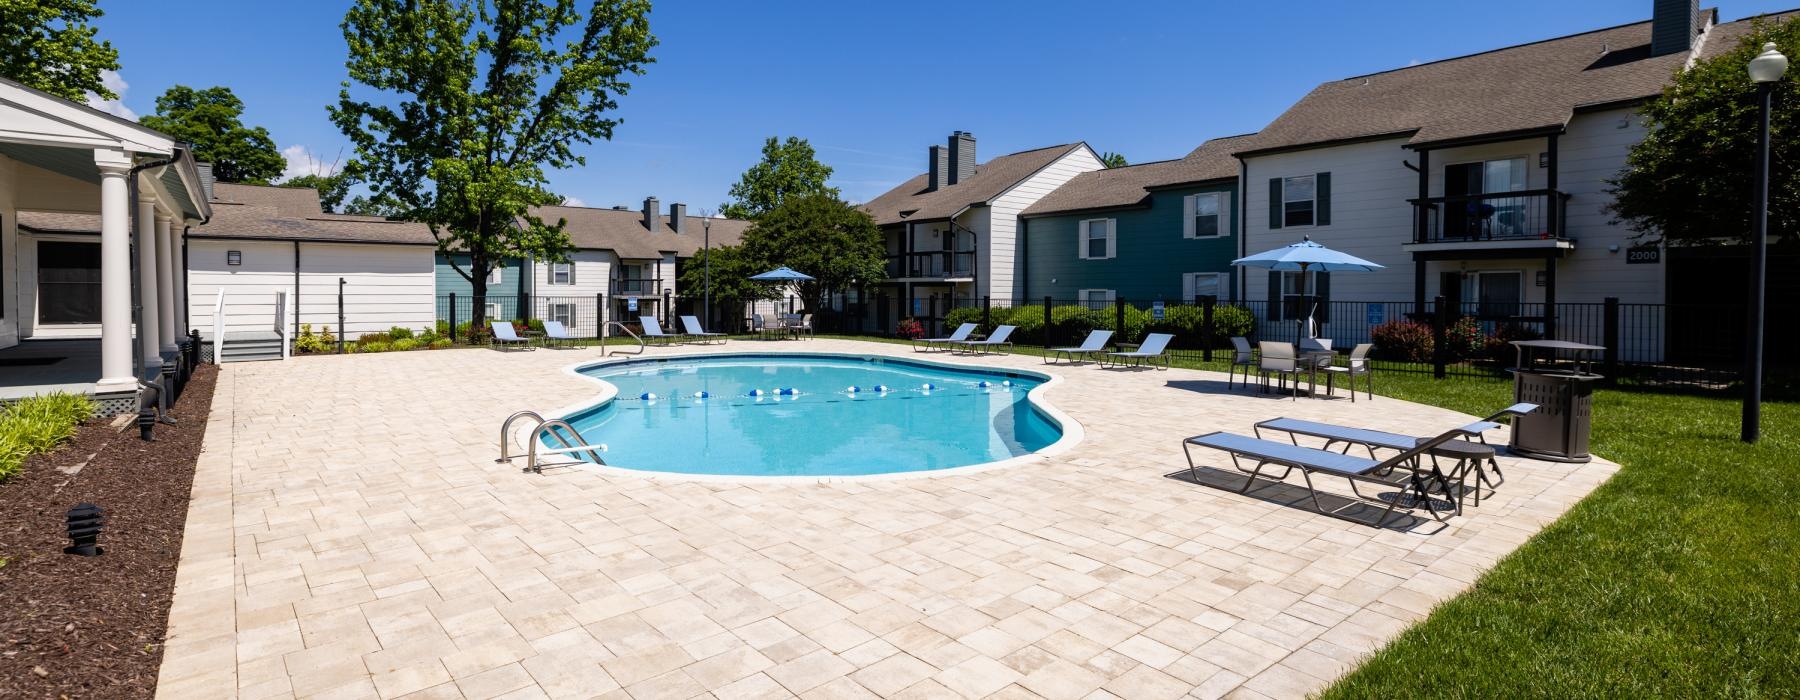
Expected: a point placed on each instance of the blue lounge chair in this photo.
(653, 331)
(1155, 347)
(998, 338)
(960, 334)
(1311, 461)
(1095, 343)
(555, 331)
(504, 335)
(691, 324)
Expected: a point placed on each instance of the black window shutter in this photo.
(1274, 203)
(1323, 182)
(1324, 294)
(1274, 296)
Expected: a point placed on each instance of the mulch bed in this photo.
(92, 627)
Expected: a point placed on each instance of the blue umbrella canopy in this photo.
(782, 274)
(1307, 255)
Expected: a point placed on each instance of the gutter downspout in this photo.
(297, 290)
(1243, 213)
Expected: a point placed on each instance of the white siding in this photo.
(1369, 215)
(593, 275)
(267, 267)
(1593, 151)
(998, 249)
(384, 285)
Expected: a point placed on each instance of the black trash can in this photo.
(1563, 389)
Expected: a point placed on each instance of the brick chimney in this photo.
(938, 168)
(678, 217)
(1674, 26)
(650, 213)
(962, 157)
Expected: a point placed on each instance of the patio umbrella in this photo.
(1303, 257)
(783, 274)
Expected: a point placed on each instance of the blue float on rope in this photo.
(647, 396)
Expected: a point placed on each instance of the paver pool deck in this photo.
(352, 536)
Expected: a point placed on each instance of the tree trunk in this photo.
(478, 277)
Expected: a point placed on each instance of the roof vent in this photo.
(621, 207)
(206, 178)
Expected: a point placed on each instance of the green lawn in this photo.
(1679, 577)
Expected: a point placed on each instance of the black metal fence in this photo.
(583, 316)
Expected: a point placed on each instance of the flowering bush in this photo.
(910, 329)
(1464, 339)
(1404, 341)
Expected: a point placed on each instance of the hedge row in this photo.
(1070, 323)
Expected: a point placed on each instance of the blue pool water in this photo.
(821, 429)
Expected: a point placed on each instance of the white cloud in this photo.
(301, 161)
(573, 202)
(116, 107)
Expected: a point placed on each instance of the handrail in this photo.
(605, 351)
(219, 328)
(505, 430)
(549, 428)
(578, 445)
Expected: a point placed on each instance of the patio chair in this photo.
(960, 334)
(770, 324)
(505, 336)
(1155, 347)
(999, 337)
(691, 324)
(653, 331)
(1095, 343)
(804, 327)
(555, 331)
(1279, 359)
(1312, 461)
(1356, 366)
(1243, 356)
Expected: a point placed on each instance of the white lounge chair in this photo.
(998, 338)
(555, 331)
(653, 331)
(1095, 342)
(692, 325)
(504, 334)
(1155, 347)
(960, 334)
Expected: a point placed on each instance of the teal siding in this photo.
(514, 281)
(1151, 256)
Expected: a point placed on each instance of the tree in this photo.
(332, 188)
(1689, 181)
(474, 102)
(1113, 160)
(212, 120)
(731, 283)
(49, 45)
(788, 168)
(820, 235)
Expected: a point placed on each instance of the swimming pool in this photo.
(811, 415)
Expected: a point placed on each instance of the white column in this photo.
(165, 285)
(178, 261)
(147, 306)
(115, 273)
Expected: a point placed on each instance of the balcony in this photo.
(637, 286)
(932, 265)
(1529, 218)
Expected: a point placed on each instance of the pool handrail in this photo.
(606, 350)
(549, 428)
(506, 430)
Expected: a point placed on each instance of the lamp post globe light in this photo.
(1765, 70)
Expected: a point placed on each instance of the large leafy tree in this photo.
(50, 45)
(820, 235)
(1114, 160)
(731, 270)
(1689, 181)
(212, 120)
(788, 168)
(474, 101)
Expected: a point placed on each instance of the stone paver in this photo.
(351, 536)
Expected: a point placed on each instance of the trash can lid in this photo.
(1556, 345)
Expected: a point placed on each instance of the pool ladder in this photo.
(570, 439)
(607, 351)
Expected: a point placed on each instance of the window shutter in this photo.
(1112, 238)
(1081, 244)
(1187, 286)
(1322, 181)
(1274, 203)
(1189, 205)
(1225, 227)
(1274, 312)
(1324, 280)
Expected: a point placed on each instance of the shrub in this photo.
(1029, 321)
(377, 346)
(404, 344)
(1464, 339)
(440, 343)
(443, 327)
(367, 338)
(426, 337)
(1404, 341)
(910, 329)
(37, 424)
(400, 333)
(1499, 345)
(972, 314)
(308, 341)
(1136, 320)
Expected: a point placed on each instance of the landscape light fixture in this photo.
(1765, 70)
(84, 530)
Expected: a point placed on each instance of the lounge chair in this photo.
(960, 334)
(1311, 461)
(1242, 356)
(1155, 347)
(1095, 343)
(692, 325)
(996, 339)
(654, 331)
(504, 334)
(555, 331)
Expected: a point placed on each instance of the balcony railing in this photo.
(936, 264)
(1501, 216)
(649, 286)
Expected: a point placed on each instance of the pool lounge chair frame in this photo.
(961, 333)
(653, 331)
(1001, 336)
(556, 332)
(509, 337)
(1155, 347)
(1094, 344)
(694, 330)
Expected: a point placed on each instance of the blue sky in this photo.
(871, 85)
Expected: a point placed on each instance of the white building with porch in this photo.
(80, 312)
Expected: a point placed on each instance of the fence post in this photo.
(1119, 319)
(1611, 337)
(600, 316)
(342, 331)
(931, 318)
(1206, 325)
(881, 313)
(452, 316)
(1046, 340)
(668, 310)
(1439, 343)
(524, 309)
(986, 309)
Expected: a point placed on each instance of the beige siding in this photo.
(998, 254)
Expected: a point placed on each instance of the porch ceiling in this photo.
(76, 163)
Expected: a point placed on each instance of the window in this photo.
(493, 310)
(1208, 215)
(494, 276)
(1473, 212)
(1298, 200)
(1292, 300)
(233, 257)
(1098, 240)
(562, 273)
(1097, 298)
(1203, 284)
(563, 313)
(1498, 294)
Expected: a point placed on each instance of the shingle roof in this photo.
(58, 222)
(293, 213)
(289, 201)
(623, 232)
(1516, 89)
(1129, 185)
(990, 179)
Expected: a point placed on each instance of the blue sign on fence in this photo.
(918, 306)
(631, 304)
(1156, 311)
(1377, 313)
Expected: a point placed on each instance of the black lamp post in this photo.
(1765, 70)
(706, 265)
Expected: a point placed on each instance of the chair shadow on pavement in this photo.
(1295, 496)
